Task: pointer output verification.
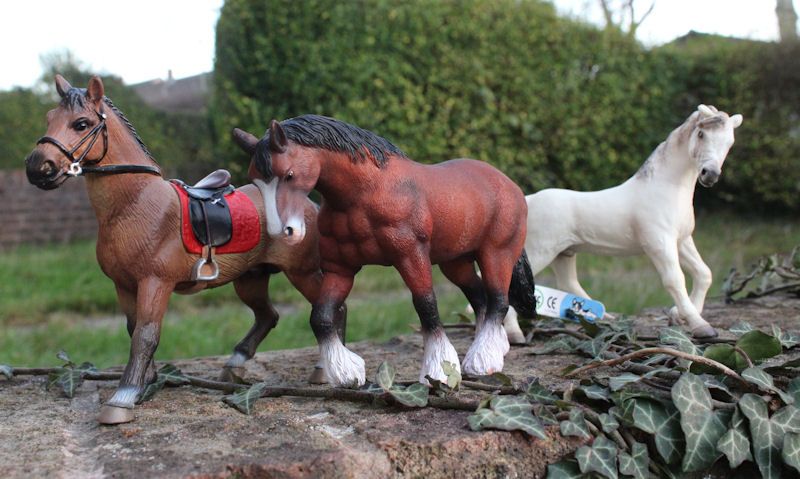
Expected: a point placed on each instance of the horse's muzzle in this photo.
(709, 177)
(41, 172)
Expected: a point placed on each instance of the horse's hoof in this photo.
(111, 415)
(318, 376)
(232, 375)
(704, 332)
(516, 337)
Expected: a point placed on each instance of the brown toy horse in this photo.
(380, 207)
(139, 238)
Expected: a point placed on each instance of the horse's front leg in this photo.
(664, 255)
(127, 302)
(700, 272)
(342, 367)
(152, 297)
(415, 269)
(253, 289)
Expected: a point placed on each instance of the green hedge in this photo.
(550, 101)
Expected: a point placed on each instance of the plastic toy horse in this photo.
(651, 213)
(139, 238)
(380, 207)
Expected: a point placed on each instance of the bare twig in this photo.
(744, 355)
(651, 351)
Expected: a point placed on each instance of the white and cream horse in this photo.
(651, 213)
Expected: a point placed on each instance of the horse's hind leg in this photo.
(253, 289)
(566, 271)
(485, 355)
(415, 269)
(152, 297)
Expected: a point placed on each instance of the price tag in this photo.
(560, 304)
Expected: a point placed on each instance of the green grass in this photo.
(56, 297)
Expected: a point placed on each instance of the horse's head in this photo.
(285, 173)
(709, 141)
(76, 135)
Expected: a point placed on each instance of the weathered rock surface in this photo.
(189, 432)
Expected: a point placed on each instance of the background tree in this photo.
(787, 20)
(622, 15)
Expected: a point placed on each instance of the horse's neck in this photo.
(670, 165)
(114, 196)
(341, 181)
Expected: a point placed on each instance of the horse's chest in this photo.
(348, 238)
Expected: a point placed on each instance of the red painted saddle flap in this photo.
(246, 232)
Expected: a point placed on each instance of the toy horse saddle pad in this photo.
(214, 214)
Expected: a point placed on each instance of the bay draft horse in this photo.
(651, 213)
(380, 207)
(139, 242)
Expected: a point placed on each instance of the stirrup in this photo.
(206, 268)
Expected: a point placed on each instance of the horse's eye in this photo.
(80, 125)
(289, 176)
(700, 134)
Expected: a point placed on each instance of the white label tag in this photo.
(560, 304)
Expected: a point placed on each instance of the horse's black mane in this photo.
(76, 98)
(330, 134)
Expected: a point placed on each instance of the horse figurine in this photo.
(651, 213)
(380, 207)
(139, 244)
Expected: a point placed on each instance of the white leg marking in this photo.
(124, 397)
(236, 360)
(485, 356)
(343, 367)
(268, 194)
(437, 350)
(511, 325)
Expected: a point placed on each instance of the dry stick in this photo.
(744, 354)
(651, 351)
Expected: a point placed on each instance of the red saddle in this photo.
(246, 232)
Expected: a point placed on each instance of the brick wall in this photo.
(29, 215)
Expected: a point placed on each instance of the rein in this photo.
(80, 166)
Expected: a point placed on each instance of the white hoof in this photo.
(343, 368)
(673, 316)
(485, 356)
(511, 325)
(437, 350)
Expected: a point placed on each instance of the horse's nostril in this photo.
(48, 167)
(289, 230)
(703, 172)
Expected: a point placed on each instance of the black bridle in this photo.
(81, 165)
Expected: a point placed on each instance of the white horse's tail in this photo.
(521, 292)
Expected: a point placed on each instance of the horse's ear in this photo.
(737, 120)
(245, 140)
(95, 90)
(277, 138)
(705, 111)
(62, 86)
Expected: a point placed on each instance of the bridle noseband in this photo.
(80, 166)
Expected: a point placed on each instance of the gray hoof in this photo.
(704, 332)
(318, 376)
(232, 375)
(111, 415)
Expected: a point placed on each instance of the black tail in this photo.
(521, 293)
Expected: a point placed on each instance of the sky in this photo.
(142, 40)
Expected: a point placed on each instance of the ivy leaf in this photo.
(453, 374)
(701, 426)
(576, 426)
(741, 327)
(618, 382)
(600, 457)
(415, 395)
(759, 346)
(794, 389)
(547, 417)
(636, 463)
(151, 389)
(788, 339)
(69, 378)
(595, 391)
(791, 450)
(496, 379)
(508, 413)
(598, 345)
(589, 327)
(172, 375)
(713, 383)
(609, 423)
(385, 376)
(721, 353)
(6, 371)
(62, 355)
(564, 343)
(735, 443)
(538, 393)
(662, 421)
(245, 400)
(765, 382)
(679, 339)
(564, 470)
(768, 433)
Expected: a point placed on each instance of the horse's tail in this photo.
(521, 292)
